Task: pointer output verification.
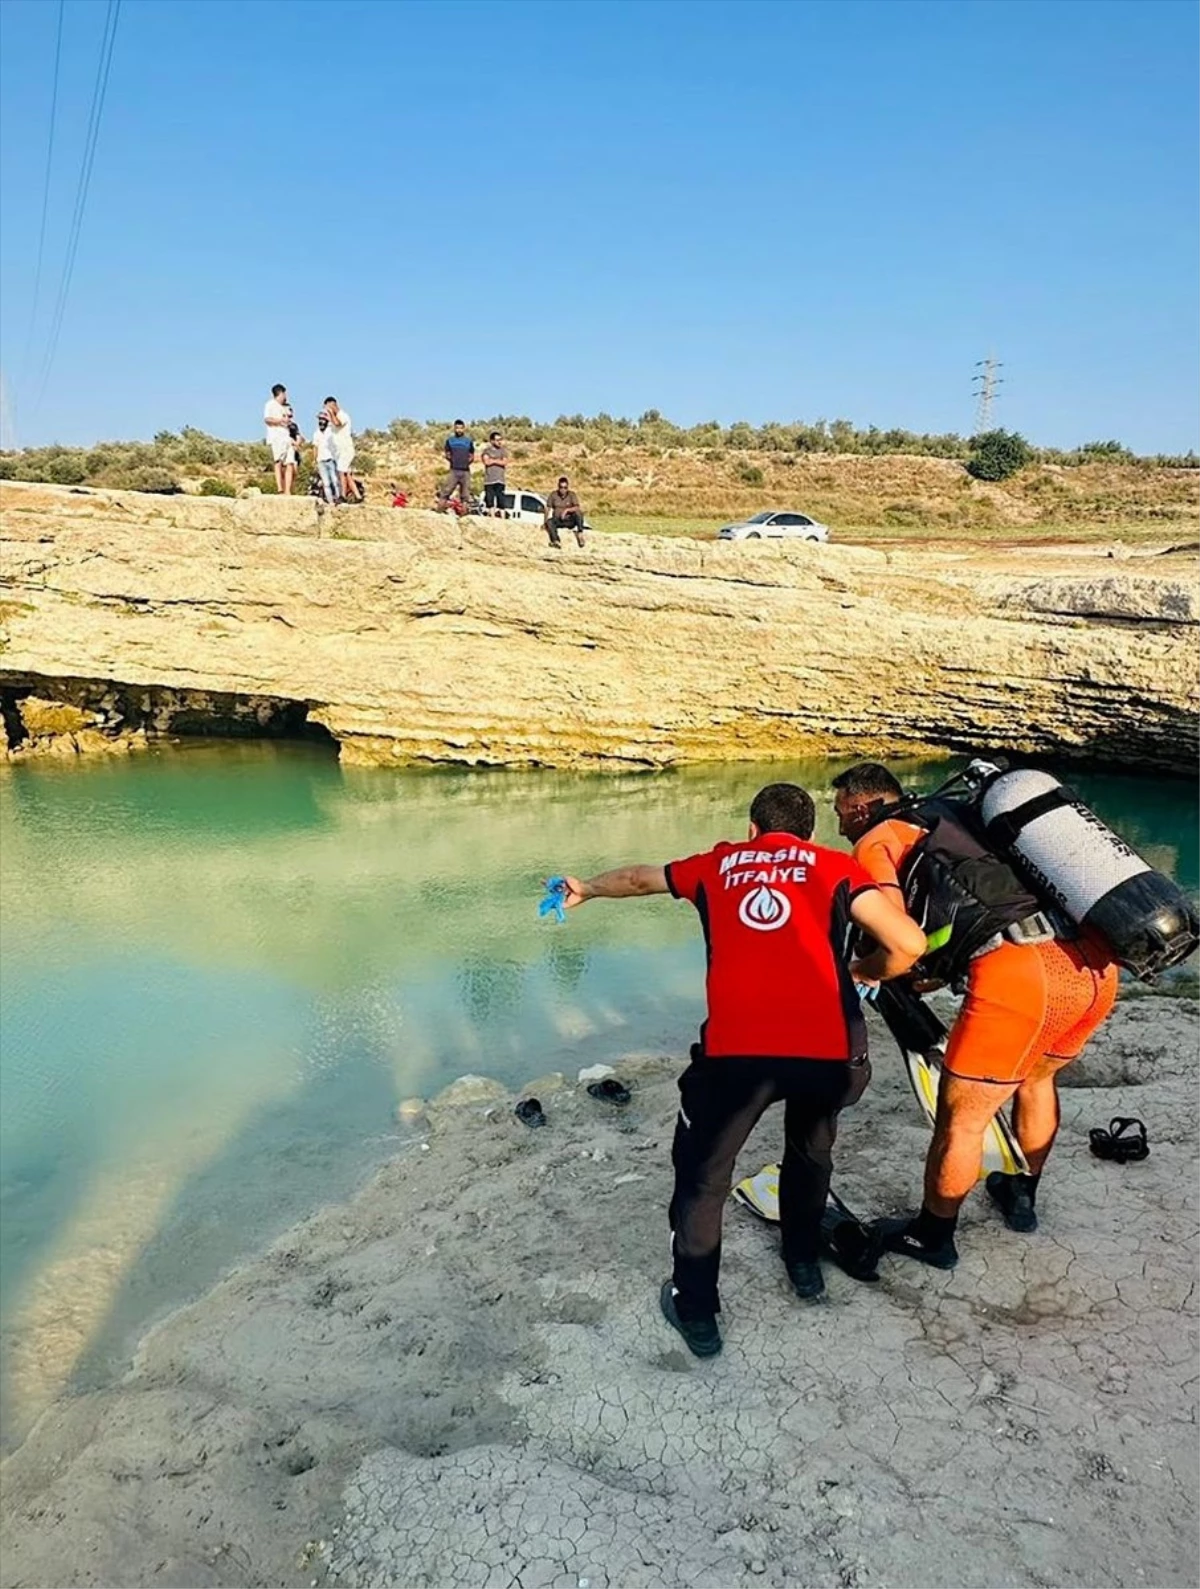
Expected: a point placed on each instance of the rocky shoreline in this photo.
(404, 636)
(460, 1377)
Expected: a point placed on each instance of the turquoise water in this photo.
(226, 965)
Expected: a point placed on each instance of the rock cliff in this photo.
(408, 636)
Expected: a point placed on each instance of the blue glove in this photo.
(556, 892)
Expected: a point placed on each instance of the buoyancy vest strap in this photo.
(1003, 829)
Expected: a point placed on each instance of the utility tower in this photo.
(984, 385)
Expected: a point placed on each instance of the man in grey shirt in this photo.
(564, 511)
(495, 461)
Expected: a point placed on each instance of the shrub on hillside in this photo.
(998, 455)
(905, 515)
(750, 473)
(217, 488)
(159, 481)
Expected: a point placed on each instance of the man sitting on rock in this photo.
(563, 512)
(784, 1025)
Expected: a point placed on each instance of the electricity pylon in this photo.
(984, 384)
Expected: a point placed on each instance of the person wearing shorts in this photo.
(495, 462)
(1030, 1009)
(784, 1025)
(341, 425)
(281, 438)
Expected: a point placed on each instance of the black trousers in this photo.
(721, 1101)
(568, 521)
(493, 494)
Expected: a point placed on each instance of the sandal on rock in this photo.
(610, 1090)
(1123, 1142)
(530, 1112)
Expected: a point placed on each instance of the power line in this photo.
(41, 249)
(81, 194)
(984, 385)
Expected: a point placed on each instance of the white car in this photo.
(790, 526)
(526, 507)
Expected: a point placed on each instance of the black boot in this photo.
(1014, 1196)
(925, 1237)
(701, 1336)
(807, 1280)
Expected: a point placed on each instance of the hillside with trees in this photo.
(651, 474)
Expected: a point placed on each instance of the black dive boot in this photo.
(1014, 1196)
(701, 1336)
(923, 1236)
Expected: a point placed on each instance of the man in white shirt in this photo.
(343, 447)
(326, 461)
(281, 438)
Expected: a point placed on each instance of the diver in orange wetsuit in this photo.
(1030, 1009)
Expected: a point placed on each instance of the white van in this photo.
(526, 507)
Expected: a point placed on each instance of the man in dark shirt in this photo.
(563, 512)
(495, 462)
(784, 1024)
(459, 449)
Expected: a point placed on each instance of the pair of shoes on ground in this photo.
(702, 1337)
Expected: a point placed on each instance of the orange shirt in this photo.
(882, 849)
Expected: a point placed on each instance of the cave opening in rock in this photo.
(36, 709)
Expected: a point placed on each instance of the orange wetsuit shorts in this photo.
(1028, 1000)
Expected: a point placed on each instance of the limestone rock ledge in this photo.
(409, 636)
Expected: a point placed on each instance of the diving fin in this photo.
(760, 1193)
(1001, 1150)
(922, 1039)
(908, 1018)
(844, 1238)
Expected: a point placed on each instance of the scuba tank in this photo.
(1081, 868)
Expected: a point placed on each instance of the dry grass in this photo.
(894, 496)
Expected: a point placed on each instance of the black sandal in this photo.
(610, 1090)
(530, 1113)
(1115, 1144)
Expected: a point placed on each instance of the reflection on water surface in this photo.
(225, 965)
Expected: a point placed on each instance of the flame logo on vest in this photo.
(765, 909)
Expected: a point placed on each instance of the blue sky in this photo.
(750, 210)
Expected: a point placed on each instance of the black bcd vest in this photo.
(959, 892)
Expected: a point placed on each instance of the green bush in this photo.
(750, 473)
(906, 515)
(217, 488)
(998, 455)
(159, 481)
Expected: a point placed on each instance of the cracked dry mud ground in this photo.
(461, 1379)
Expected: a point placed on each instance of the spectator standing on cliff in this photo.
(327, 469)
(343, 448)
(459, 449)
(282, 435)
(495, 462)
(563, 512)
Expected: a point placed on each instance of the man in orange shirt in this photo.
(1030, 1008)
